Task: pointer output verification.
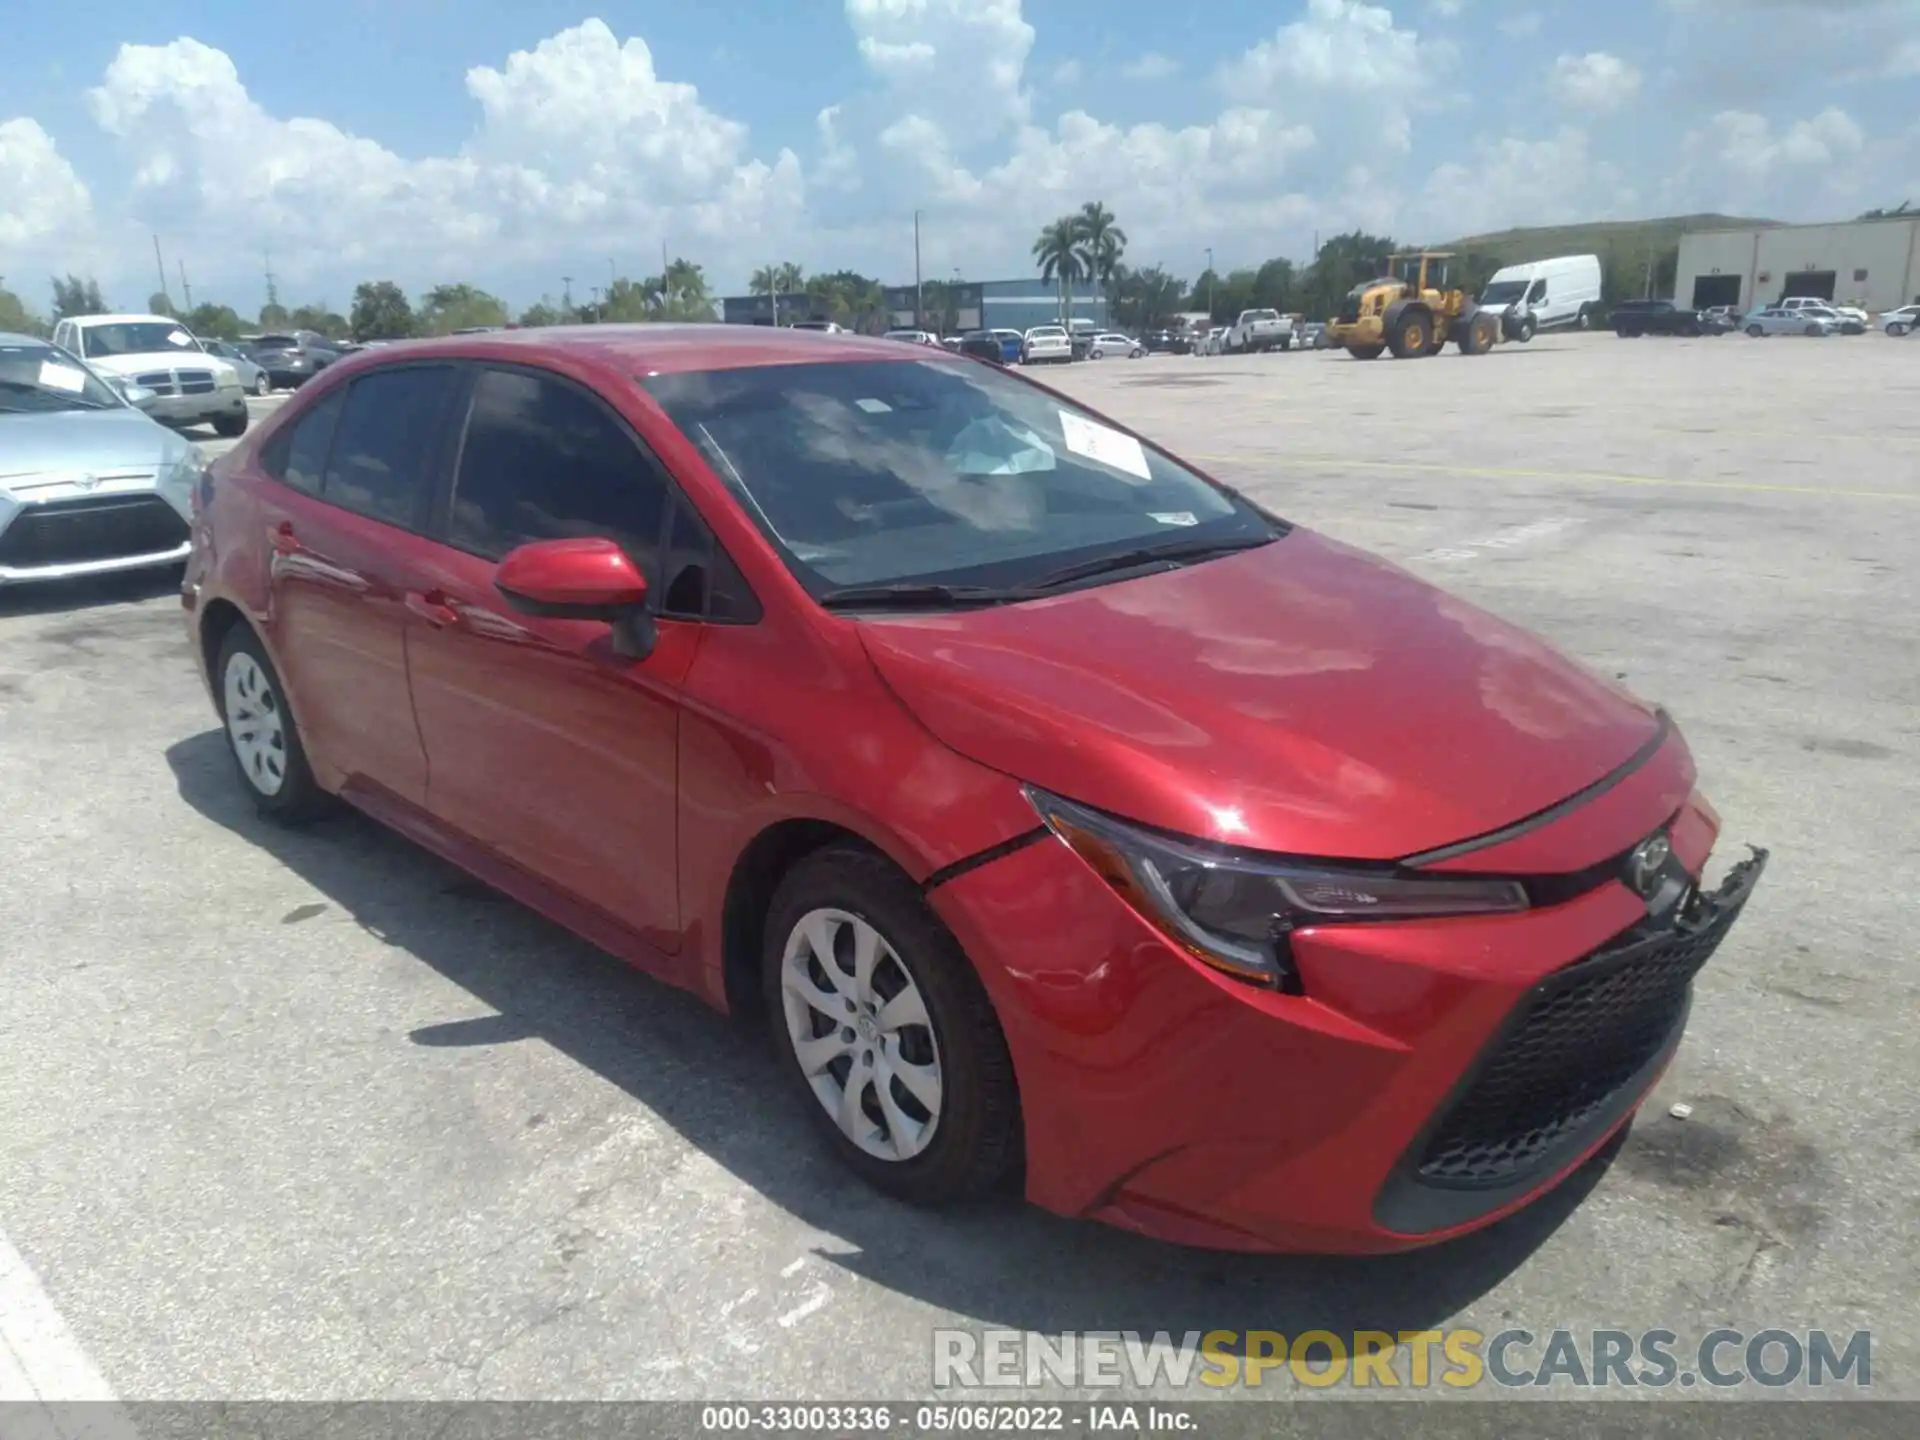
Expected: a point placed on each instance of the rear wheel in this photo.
(1366, 352)
(1755, 331)
(1584, 320)
(1479, 335)
(887, 1033)
(1813, 330)
(262, 385)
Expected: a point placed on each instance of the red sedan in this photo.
(1066, 815)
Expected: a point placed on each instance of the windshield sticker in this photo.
(874, 407)
(180, 338)
(1173, 517)
(1108, 447)
(62, 377)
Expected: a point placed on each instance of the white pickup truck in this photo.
(1261, 330)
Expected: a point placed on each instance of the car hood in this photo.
(1304, 697)
(146, 362)
(96, 440)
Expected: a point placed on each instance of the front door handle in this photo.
(284, 541)
(433, 608)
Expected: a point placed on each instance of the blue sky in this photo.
(511, 142)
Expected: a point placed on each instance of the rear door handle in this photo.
(433, 608)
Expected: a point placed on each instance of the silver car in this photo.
(88, 484)
(253, 377)
(1779, 320)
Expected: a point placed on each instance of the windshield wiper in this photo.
(1170, 551)
(915, 595)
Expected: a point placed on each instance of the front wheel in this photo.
(1584, 320)
(262, 385)
(261, 734)
(886, 1032)
(1526, 330)
(1896, 330)
(1755, 331)
(230, 427)
(1365, 352)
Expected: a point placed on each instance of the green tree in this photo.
(541, 313)
(1343, 262)
(627, 302)
(1145, 298)
(447, 308)
(380, 311)
(160, 303)
(74, 296)
(1102, 243)
(1061, 259)
(1273, 284)
(274, 316)
(214, 322)
(318, 316)
(15, 316)
(680, 292)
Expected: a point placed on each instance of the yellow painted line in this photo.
(1488, 472)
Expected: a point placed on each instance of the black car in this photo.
(293, 356)
(1168, 342)
(983, 345)
(1655, 317)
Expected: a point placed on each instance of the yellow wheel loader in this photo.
(1411, 311)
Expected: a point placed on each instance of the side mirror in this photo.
(584, 579)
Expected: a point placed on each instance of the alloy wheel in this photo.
(256, 728)
(861, 1034)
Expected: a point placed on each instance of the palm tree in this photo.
(1061, 259)
(1102, 243)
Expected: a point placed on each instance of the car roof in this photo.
(15, 337)
(657, 349)
(84, 320)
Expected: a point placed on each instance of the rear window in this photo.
(276, 342)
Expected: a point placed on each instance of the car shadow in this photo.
(89, 592)
(713, 1080)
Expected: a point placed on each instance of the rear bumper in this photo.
(1165, 1098)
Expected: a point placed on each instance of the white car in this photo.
(1795, 320)
(913, 337)
(1900, 321)
(825, 327)
(190, 387)
(1846, 317)
(1046, 345)
(1112, 342)
(1213, 343)
(1258, 331)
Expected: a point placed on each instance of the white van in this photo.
(1548, 294)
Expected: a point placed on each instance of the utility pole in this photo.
(611, 277)
(566, 293)
(273, 294)
(163, 272)
(185, 288)
(1209, 282)
(1649, 292)
(919, 304)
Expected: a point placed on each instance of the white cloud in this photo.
(43, 203)
(1447, 9)
(1150, 66)
(839, 164)
(1514, 181)
(578, 136)
(1750, 145)
(958, 63)
(1596, 81)
(1068, 72)
(1521, 25)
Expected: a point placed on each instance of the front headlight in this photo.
(1234, 911)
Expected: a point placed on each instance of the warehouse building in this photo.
(1874, 264)
(951, 306)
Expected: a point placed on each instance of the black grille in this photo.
(1349, 310)
(1572, 1043)
(160, 382)
(196, 382)
(73, 532)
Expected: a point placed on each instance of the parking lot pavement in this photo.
(310, 1115)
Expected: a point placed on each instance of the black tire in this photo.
(1479, 334)
(1525, 332)
(1583, 320)
(230, 427)
(299, 797)
(262, 384)
(976, 1144)
(1285, 345)
(1756, 332)
(1366, 352)
(1813, 329)
(1408, 334)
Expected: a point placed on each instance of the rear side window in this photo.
(543, 460)
(384, 443)
(297, 456)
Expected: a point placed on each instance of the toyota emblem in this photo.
(1649, 858)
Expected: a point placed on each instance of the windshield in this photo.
(34, 376)
(935, 471)
(1046, 332)
(1262, 315)
(134, 337)
(1503, 292)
